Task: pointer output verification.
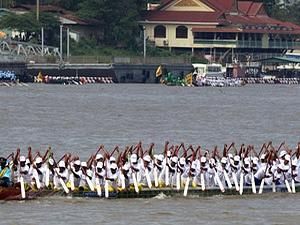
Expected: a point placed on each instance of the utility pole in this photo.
(37, 10)
(145, 47)
(42, 41)
(61, 43)
(68, 43)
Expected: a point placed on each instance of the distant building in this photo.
(78, 27)
(224, 30)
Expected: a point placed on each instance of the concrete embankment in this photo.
(120, 73)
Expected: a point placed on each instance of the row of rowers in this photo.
(159, 170)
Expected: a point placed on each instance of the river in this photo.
(78, 119)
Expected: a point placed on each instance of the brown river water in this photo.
(78, 119)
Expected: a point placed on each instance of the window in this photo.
(160, 31)
(181, 32)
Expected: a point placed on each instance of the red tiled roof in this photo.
(251, 17)
(182, 16)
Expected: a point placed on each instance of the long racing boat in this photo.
(14, 193)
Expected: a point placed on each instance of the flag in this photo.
(189, 79)
(158, 71)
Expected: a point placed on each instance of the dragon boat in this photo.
(14, 193)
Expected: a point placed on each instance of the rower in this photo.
(60, 172)
(50, 168)
(172, 170)
(5, 173)
(76, 174)
(194, 174)
(247, 171)
(147, 170)
(24, 170)
(87, 173)
(135, 167)
(112, 176)
(204, 168)
(211, 173)
(38, 173)
(100, 173)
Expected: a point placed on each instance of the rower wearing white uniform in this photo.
(247, 171)
(24, 170)
(60, 172)
(204, 175)
(49, 173)
(180, 172)
(113, 176)
(38, 173)
(172, 170)
(86, 177)
(75, 174)
(135, 169)
(147, 171)
(194, 173)
(158, 170)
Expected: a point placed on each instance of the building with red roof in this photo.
(224, 29)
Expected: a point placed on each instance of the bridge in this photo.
(10, 47)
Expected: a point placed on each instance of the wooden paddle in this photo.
(98, 187)
(23, 194)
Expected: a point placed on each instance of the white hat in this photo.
(112, 159)
(89, 173)
(38, 160)
(113, 166)
(62, 164)
(99, 156)
(193, 165)
(212, 161)
(282, 153)
(182, 161)
(77, 162)
(255, 160)
(287, 157)
(236, 158)
(133, 158)
(294, 162)
(263, 156)
(22, 158)
(168, 153)
(203, 159)
(126, 167)
(27, 161)
(247, 160)
(83, 164)
(174, 159)
(160, 157)
(224, 160)
(51, 161)
(99, 165)
(147, 158)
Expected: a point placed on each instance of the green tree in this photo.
(119, 18)
(28, 24)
